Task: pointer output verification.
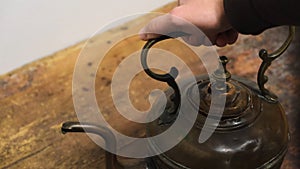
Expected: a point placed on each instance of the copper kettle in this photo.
(252, 131)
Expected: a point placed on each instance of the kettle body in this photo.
(253, 133)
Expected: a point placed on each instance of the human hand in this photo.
(189, 17)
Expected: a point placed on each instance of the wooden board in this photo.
(37, 98)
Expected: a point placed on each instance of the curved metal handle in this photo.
(169, 78)
(105, 133)
(267, 60)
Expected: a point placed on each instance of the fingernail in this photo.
(143, 36)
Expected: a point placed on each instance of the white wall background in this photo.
(31, 29)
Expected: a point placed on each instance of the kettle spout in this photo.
(104, 132)
(72, 127)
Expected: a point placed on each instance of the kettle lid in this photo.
(242, 103)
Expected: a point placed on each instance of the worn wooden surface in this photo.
(37, 98)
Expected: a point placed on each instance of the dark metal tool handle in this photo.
(267, 60)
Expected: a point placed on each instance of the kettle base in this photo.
(157, 163)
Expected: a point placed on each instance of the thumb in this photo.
(169, 23)
(158, 26)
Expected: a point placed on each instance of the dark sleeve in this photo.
(255, 16)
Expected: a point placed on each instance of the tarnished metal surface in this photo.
(284, 74)
(249, 137)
